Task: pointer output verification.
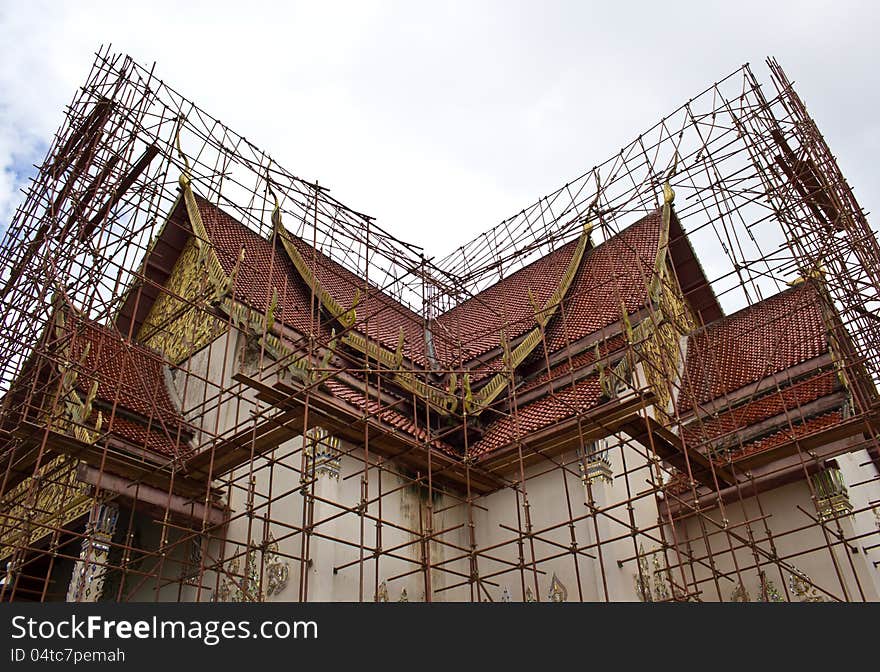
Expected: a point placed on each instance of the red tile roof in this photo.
(618, 271)
(544, 412)
(777, 402)
(378, 315)
(579, 361)
(476, 323)
(131, 379)
(764, 339)
(798, 430)
(266, 267)
(614, 272)
(729, 354)
(738, 351)
(385, 414)
(263, 269)
(155, 438)
(611, 273)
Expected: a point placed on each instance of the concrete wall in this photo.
(778, 523)
(340, 570)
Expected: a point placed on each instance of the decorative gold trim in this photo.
(208, 256)
(441, 401)
(173, 326)
(52, 498)
(659, 273)
(513, 358)
(346, 318)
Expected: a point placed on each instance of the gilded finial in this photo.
(468, 394)
(817, 272)
(506, 356)
(276, 210)
(451, 403)
(604, 383)
(588, 228)
(535, 305)
(627, 325)
(398, 353)
(349, 317)
(668, 193)
(453, 383)
(184, 178)
(270, 311)
(382, 592)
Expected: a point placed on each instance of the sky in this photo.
(441, 119)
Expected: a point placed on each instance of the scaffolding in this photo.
(337, 444)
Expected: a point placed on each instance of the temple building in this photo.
(244, 409)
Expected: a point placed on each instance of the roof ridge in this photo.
(573, 242)
(345, 274)
(359, 278)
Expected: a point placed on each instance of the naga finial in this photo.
(815, 272)
(668, 193)
(398, 353)
(276, 211)
(468, 394)
(185, 176)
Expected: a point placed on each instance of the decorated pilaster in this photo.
(832, 497)
(90, 571)
(242, 581)
(597, 476)
(834, 510)
(322, 451)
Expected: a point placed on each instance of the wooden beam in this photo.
(564, 435)
(670, 448)
(152, 473)
(124, 185)
(141, 493)
(245, 445)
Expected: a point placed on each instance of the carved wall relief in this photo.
(245, 586)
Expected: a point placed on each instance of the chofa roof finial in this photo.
(668, 193)
(185, 176)
(276, 210)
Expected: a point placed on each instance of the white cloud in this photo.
(441, 119)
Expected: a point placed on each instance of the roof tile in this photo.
(544, 412)
(777, 402)
(761, 340)
(130, 377)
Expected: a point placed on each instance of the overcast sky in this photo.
(441, 119)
